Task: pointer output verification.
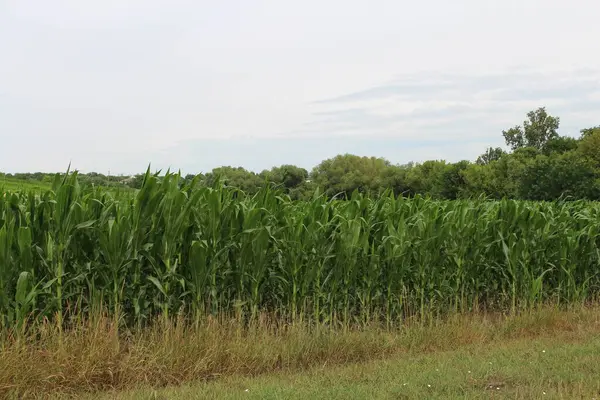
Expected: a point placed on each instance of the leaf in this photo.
(85, 225)
(22, 286)
(157, 283)
(49, 283)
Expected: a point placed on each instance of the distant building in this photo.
(127, 180)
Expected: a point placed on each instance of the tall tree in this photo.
(453, 181)
(537, 130)
(288, 176)
(491, 154)
(589, 145)
(427, 178)
(345, 173)
(590, 131)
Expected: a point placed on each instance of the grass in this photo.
(548, 368)
(271, 361)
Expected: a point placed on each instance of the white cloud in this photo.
(460, 106)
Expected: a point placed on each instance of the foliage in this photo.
(565, 175)
(560, 145)
(347, 173)
(537, 130)
(589, 146)
(288, 176)
(236, 177)
(491, 154)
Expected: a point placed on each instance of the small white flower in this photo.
(469, 372)
(543, 392)
(428, 386)
(543, 351)
(498, 388)
(247, 390)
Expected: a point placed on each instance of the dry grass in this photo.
(540, 368)
(96, 356)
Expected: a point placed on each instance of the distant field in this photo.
(14, 184)
(22, 185)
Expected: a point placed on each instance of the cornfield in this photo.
(174, 249)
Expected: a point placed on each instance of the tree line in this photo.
(538, 164)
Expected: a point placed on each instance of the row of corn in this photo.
(173, 249)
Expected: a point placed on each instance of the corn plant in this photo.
(171, 248)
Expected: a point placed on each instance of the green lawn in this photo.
(550, 368)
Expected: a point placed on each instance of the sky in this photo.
(115, 85)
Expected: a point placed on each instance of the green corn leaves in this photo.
(215, 250)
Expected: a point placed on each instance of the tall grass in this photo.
(197, 251)
(95, 355)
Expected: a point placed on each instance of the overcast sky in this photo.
(118, 84)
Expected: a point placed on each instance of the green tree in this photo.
(589, 145)
(394, 177)
(560, 145)
(287, 176)
(559, 175)
(491, 154)
(427, 178)
(499, 178)
(537, 130)
(236, 177)
(345, 173)
(485, 179)
(590, 131)
(453, 183)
